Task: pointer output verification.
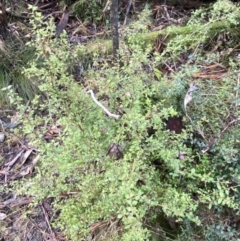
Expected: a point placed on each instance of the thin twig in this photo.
(238, 80)
(127, 12)
(48, 223)
(103, 107)
(2, 111)
(220, 135)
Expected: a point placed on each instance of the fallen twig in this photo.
(11, 163)
(48, 223)
(103, 107)
(14, 202)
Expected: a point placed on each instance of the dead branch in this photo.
(220, 135)
(103, 107)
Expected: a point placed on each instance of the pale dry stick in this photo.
(188, 97)
(166, 11)
(232, 50)
(11, 163)
(3, 111)
(2, 124)
(48, 223)
(105, 8)
(21, 201)
(195, 50)
(117, 117)
(169, 67)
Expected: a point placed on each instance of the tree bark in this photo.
(3, 20)
(114, 23)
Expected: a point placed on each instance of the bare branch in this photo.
(220, 135)
(127, 12)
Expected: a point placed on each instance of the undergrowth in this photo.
(119, 175)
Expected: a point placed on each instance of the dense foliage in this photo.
(122, 179)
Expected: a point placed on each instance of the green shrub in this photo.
(116, 174)
(89, 12)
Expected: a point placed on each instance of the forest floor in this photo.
(19, 218)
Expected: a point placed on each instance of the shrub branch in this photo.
(220, 135)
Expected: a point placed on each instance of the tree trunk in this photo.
(3, 20)
(114, 23)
